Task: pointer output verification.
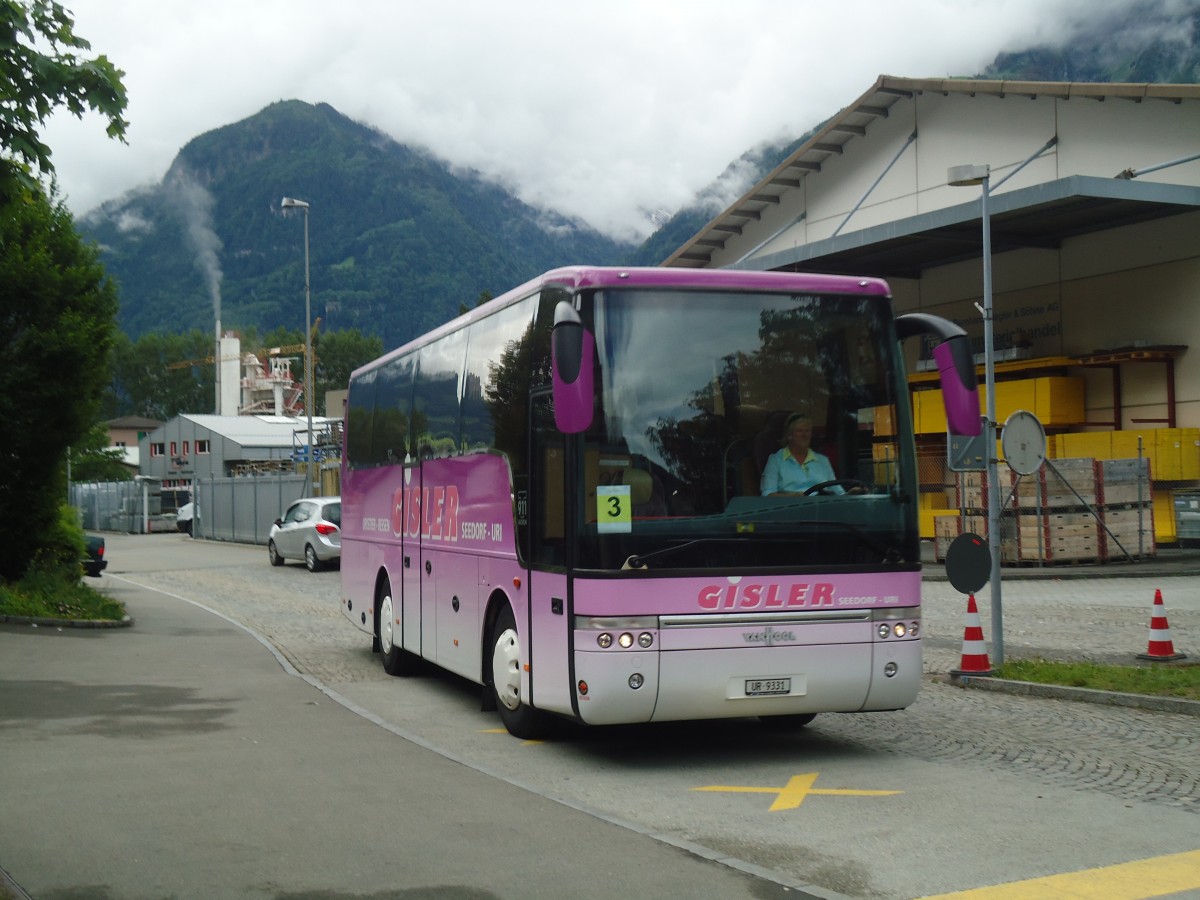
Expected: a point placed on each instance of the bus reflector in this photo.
(516, 582)
(583, 688)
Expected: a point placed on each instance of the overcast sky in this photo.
(601, 110)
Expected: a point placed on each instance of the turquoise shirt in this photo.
(783, 472)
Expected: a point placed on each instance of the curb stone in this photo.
(38, 621)
(14, 889)
(1080, 695)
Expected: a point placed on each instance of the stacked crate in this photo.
(1126, 505)
(950, 525)
(1056, 515)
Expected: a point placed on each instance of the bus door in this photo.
(450, 587)
(548, 618)
(411, 566)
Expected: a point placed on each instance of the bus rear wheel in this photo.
(396, 660)
(520, 719)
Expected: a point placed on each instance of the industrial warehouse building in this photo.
(1094, 211)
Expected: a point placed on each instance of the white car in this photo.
(310, 530)
(183, 518)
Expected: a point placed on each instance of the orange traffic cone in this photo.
(1161, 648)
(974, 652)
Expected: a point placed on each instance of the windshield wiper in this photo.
(638, 560)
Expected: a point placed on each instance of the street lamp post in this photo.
(292, 203)
(959, 176)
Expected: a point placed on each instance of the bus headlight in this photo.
(604, 640)
(890, 670)
(645, 639)
(625, 640)
(884, 629)
(900, 629)
(636, 680)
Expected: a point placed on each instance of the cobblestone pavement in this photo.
(1135, 755)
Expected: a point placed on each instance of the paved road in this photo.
(965, 789)
(178, 759)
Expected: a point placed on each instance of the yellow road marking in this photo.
(797, 788)
(1138, 880)
(505, 731)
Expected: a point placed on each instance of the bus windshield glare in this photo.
(694, 392)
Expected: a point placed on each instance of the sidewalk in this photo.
(1167, 562)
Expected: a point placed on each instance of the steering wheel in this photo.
(855, 487)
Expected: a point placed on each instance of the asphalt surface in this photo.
(187, 756)
(178, 759)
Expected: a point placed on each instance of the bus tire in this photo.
(787, 723)
(396, 660)
(521, 720)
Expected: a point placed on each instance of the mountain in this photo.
(1144, 41)
(397, 241)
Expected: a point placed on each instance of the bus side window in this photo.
(548, 458)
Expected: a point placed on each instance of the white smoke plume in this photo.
(195, 205)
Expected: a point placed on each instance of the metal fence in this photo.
(225, 509)
(127, 506)
(242, 509)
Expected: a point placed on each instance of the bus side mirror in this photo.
(956, 366)
(572, 356)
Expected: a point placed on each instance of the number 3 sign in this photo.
(614, 509)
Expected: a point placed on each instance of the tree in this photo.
(92, 459)
(41, 69)
(57, 324)
(338, 353)
(162, 375)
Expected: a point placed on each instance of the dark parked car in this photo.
(94, 563)
(310, 530)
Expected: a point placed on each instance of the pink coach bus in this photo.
(559, 496)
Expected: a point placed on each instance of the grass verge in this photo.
(45, 595)
(1154, 679)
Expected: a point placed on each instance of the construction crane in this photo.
(260, 352)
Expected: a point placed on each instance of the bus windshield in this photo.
(695, 391)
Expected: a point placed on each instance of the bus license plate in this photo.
(765, 687)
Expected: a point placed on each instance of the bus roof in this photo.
(706, 279)
(576, 278)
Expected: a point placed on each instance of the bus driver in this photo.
(796, 467)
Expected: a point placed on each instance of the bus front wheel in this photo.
(520, 719)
